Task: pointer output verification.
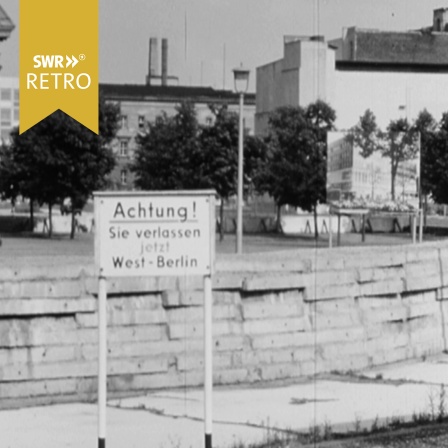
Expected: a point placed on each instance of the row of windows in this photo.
(124, 121)
(5, 134)
(9, 95)
(341, 160)
(7, 114)
(368, 176)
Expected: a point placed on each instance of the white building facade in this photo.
(9, 106)
(395, 74)
(309, 71)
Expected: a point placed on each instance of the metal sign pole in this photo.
(128, 226)
(420, 226)
(102, 361)
(208, 360)
(414, 227)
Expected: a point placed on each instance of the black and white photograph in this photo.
(245, 242)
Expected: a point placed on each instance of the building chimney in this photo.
(164, 62)
(440, 20)
(153, 63)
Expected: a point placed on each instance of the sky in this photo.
(208, 38)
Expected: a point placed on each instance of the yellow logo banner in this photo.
(58, 60)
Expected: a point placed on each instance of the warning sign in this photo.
(164, 233)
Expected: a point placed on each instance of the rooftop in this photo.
(144, 92)
(381, 66)
(6, 25)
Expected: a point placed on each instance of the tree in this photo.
(434, 156)
(401, 146)
(178, 153)
(166, 155)
(427, 127)
(366, 135)
(295, 173)
(8, 184)
(219, 156)
(59, 158)
(321, 118)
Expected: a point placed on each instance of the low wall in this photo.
(276, 316)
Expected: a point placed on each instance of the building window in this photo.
(5, 117)
(124, 147)
(16, 115)
(124, 177)
(123, 121)
(5, 94)
(16, 97)
(352, 51)
(141, 121)
(5, 135)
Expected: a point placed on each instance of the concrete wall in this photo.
(288, 315)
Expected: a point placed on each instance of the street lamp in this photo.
(241, 77)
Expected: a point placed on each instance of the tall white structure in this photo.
(395, 74)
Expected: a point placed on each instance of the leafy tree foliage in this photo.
(219, 156)
(295, 172)
(8, 185)
(434, 155)
(178, 153)
(167, 154)
(366, 135)
(59, 158)
(402, 145)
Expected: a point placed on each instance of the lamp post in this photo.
(241, 77)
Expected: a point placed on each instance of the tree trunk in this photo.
(72, 228)
(221, 220)
(50, 221)
(279, 217)
(31, 214)
(316, 228)
(393, 173)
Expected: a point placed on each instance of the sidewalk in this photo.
(173, 419)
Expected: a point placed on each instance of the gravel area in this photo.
(425, 437)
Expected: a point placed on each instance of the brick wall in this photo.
(276, 316)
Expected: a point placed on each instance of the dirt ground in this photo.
(18, 246)
(426, 437)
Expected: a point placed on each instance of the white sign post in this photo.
(167, 233)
